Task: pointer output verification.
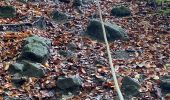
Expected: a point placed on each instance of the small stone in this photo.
(7, 12)
(113, 31)
(120, 11)
(26, 68)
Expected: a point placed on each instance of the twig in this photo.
(109, 54)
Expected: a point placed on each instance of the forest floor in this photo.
(148, 32)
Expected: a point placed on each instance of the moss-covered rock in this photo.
(35, 52)
(7, 12)
(38, 39)
(113, 31)
(120, 11)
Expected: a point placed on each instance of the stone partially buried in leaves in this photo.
(38, 39)
(120, 11)
(165, 83)
(69, 82)
(27, 68)
(113, 31)
(59, 17)
(129, 86)
(65, 1)
(35, 52)
(7, 12)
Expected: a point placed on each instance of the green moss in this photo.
(158, 2)
(120, 11)
(164, 11)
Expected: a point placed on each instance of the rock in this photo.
(77, 3)
(66, 53)
(129, 86)
(65, 1)
(59, 17)
(113, 31)
(38, 39)
(40, 23)
(69, 82)
(18, 80)
(120, 11)
(7, 12)
(16, 98)
(123, 54)
(155, 3)
(23, 1)
(165, 83)
(26, 68)
(35, 52)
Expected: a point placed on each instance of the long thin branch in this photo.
(109, 54)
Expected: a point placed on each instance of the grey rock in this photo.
(16, 98)
(7, 12)
(113, 31)
(35, 52)
(165, 83)
(26, 68)
(120, 11)
(18, 80)
(123, 54)
(38, 39)
(129, 86)
(40, 23)
(66, 53)
(65, 1)
(77, 3)
(69, 82)
(23, 1)
(59, 17)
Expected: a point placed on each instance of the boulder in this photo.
(26, 68)
(7, 12)
(36, 52)
(59, 17)
(120, 11)
(69, 82)
(113, 31)
(129, 86)
(37, 39)
(165, 83)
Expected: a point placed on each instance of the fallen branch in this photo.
(109, 54)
